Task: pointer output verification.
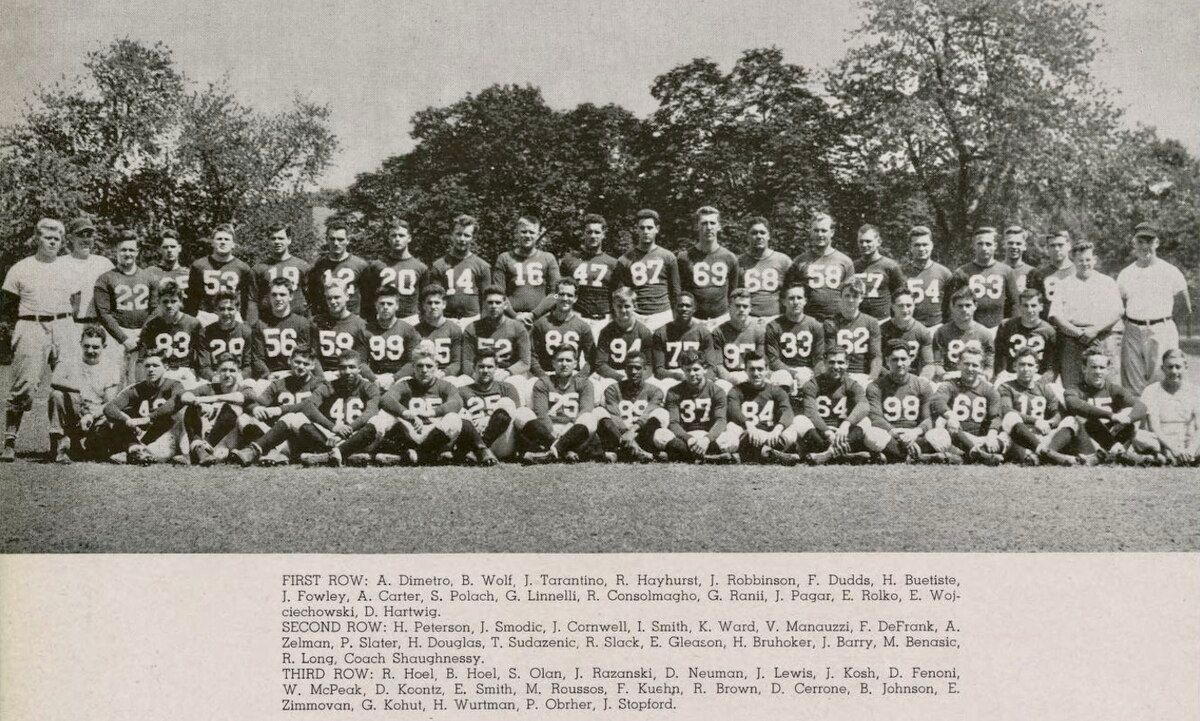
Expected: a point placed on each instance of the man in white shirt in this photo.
(1152, 290)
(84, 267)
(41, 295)
(1173, 412)
(1086, 306)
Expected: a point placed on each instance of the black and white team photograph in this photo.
(886, 277)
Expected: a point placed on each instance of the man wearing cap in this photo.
(84, 268)
(1086, 307)
(1057, 268)
(1152, 290)
(1015, 244)
(926, 279)
(39, 294)
(987, 278)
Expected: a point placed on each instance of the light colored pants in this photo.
(36, 345)
(1142, 349)
(654, 321)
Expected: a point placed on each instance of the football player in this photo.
(699, 423)
(856, 332)
(169, 250)
(1031, 412)
(525, 274)
(78, 394)
(211, 412)
(84, 267)
(624, 334)
(419, 419)
(338, 330)
(795, 344)
(595, 274)
(926, 279)
(882, 276)
(562, 325)
(1057, 267)
(337, 266)
(174, 335)
(822, 270)
(277, 334)
(220, 272)
(1027, 331)
(899, 405)
(760, 415)
(966, 413)
(390, 341)
(1103, 417)
(987, 278)
(708, 270)
(834, 422)
(683, 333)
(763, 271)
(564, 407)
(402, 270)
(635, 413)
(954, 335)
(735, 337)
(505, 335)
(460, 273)
(282, 396)
(652, 272)
(226, 335)
(439, 335)
(1015, 244)
(904, 327)
(142, 422)
(283, 264)
(492, 407)
(125, 297)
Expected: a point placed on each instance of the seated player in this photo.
(834, 420)
(966, 413)
(954, 335)
(1173, 412)
(795, 344)
(856, 332)
(228, 334)
(699, 426)
(507, 336)
(904, 327)
(1027, 331)
(276, 335)
(336, 331)
(78, 394)
(282, 396)
(736, 337)
(623, 335)
(899, 403)
(683, 333)
(634, 413)
(439, 335)
(493, 408)
(1103, 417)
(174, 335)
(565, 412)
(761, 415)
(418, 419)
(142, 422)
(1031, 412)
(561, 325)
(390, 341)
(331, 424)
(211, 412)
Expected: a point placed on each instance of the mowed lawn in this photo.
(591, 508)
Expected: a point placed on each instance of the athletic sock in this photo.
(1024, 436)
(575, 437)
(496, 426)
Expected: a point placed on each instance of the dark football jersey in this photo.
(916, 336)
(333, 336)
(349, 272)
(215, 340)
(671, 340)
(405, 274)
(731, 343)
(287, 393)
(927, 286)
(179, 340)
(884, 280)
(445, 342)
(1013, 337)
(389, 348)
(949, 341)
(296, 270)
(463, 279)
(339, 402)
(1035, 402)
(794, 344)
(762, 408)
(822, 278)
(989, 285)
(548, 334)
(506, 336)
(693, 409)
(829, 403)
(1018, 279)
(144, 399)
(653, 275)
(763, 277)
(125, 300)
(426, 401)
(525, 281)
(480, 402)
(209, 277)
(274, 339)
(628, 404)
(859, 337)
(710, 276)
(977, 408)
(903, 404)
(561, 402)
(615, 344)
(180, 275)
(595, 279)
(1097, 402)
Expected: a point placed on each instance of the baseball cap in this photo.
(80, 224)
(1145, 230)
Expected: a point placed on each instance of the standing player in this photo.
(822, 271)
(882, 275)
(506, 336)
(390, 341)
(337, 265)
(763, 270)
(1153, 291)
(857, 333)
(736, 337)
(169, 250)
(141, 424)
(966, 411)
(1086, 307)
(1025, 332)
(211, 412)
(561, 325)
(460, 273)
(652, 272)
(834, 421)
(1104, 415)
(635, 413)
(402, 270)
(1056, 268)
(594, 272)
(682, 334)
(418, 419)
(85, 268)
(494, 410)
(283, 395)
(926, 279)
(124, 298)
(277, 333)
(173, 335)
(708, 270)
(902, 326)
(283, 264)
(899, 406)
(439, 335)
(987, 278)
(526, 274)
(220, 272)
(337, 331)
(78, 394)
(699, 421)
(954, 335)
(618, 339)
(565, 412)
(1015, 244)
(760, 415)
(795, 344)
(1173, 412)
(1030, 412)
(227, 336)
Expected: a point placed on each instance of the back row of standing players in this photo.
(704, 299)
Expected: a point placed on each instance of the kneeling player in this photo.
(635, 412)
(281, 397)
(899, 403)
(966, 411)
(142, 422)
(1173, 412)
(565, 410)
(1031, 412)
(1104, 417)
(211, 412)
(834, 422)
(490, 407)
(418, 419)
(761, 415)
(698, 430)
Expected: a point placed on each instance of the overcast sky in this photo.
(377, 63)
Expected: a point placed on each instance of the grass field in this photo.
(591, 508)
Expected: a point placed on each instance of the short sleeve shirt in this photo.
(1149, 292)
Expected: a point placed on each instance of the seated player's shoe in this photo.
(62, 455)
(9, 453)
(820, 459)
(329, 458)
(204, 454)
(486, 458)
(1056, 458)
(1131, 457)
(721, 459)
(540, 457)
(1090, 459)
(358, 460)
(1024, 456)
(119, 458)
(987, 458)
(571, 457)
(662, 457)
(141, 456)
(181, 459)
(245, 456)
(274, 459)
(782, 458)
(604, 457)
(389, 459)
(857, 458)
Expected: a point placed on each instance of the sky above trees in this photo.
(376, 68)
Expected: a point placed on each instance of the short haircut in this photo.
(983, 230)
(276, 227)
(169, 288)
(1081, 246)
(491, 290)
(961, 293)
(387, 291)
(158, 354)
(740, 294)
(565, 282)
(896, 344)
(484, 354)
(819, 216)
(919, 231)
(854, 284)
(128, 235)
(431, 290)
(689, 358)
(1013, 230)
(399, 223)
(687, 294)
(1029, 294)
(1174, 353)
(285, 282)
(348, 355)
(1027, 353)
(624, 293)
(302, 351)
(757, 220)
(168, 233)
(465, 221)
(832, 349)
(902, 294)
(51, 224)
(424, 351)
(634, 355)
(91, 330)
(971, 348)
(225, 358)
(1095, 352)
(334, 225)
(594, 219)
(531, 218)
(800, 286)
(866, 228)
(752, 355)
(646, 213)
(223, 228)
(567, 348)
(706, 210)
(227, 295)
